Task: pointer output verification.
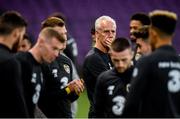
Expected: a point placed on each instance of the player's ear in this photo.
(41, 42)
(153, 33)
(15, 33)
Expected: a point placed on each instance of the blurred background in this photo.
(81, 15)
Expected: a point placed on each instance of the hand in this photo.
(108, 41)
(77, 86)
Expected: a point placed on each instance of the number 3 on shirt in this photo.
(64, 81)
(119, 105)
(35, 97)
(174, 82)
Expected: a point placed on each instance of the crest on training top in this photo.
(66, 68)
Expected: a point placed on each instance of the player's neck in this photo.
(36, 53)
(7, 42)
(162, 42)
(101, 47)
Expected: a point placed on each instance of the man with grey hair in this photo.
(105, 32)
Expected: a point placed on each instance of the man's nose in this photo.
(138, 50)
(56, 53)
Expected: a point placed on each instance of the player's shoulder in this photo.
(10, 62)
(143, 60)
(22, 56)
(109, 77)
(64, 62)
(164, 52)
(93, 56)
(4, 56)
(107, 74)
(63, 59)
(26, 59)
(90, 53)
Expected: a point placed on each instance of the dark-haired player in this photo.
(155, 88)
(142, 42)
(136, 22)
(25, 44)
(113, 85)
(12, 101)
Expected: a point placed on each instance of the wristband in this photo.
(67, 90)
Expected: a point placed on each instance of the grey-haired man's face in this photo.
(106, 34)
